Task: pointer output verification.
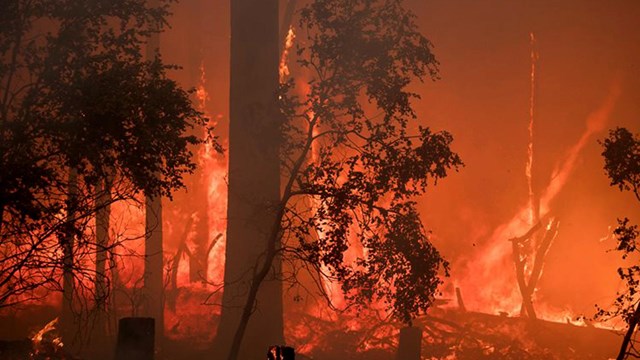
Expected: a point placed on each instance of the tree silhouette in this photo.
(622, 165)
(85, 121)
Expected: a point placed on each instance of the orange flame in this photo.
(489, 293)
(529, 166)
(47, 341)
(191, 319)
(284, 59)
(214, 167)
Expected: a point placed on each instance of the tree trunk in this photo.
(627, 337)
(154, 264)
(68, 243)
(153, 270)
(254, 179)
(527, 302)
(103, 213)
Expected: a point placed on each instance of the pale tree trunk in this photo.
(68, 243)
(153, 271)
(254, 181)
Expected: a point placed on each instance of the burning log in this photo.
(136, 339)
(451, 333)
(47, 343)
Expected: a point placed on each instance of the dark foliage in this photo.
(622, 160)
(622, 165)
(77, 95)
(352, 150)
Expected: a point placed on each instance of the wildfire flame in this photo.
(47, 340)
(215, 172)
(201, 91)
(284, 59)
(191, 319)
(489, 293)
(529, 166)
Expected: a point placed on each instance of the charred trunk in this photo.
(103, 213)
(153, 271)
(68, 243)
(154, 265)
(626, 341)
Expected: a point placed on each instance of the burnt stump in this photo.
(136, 339)
(410, 344)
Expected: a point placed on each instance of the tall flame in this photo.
(529, 166)
(284, 58)
(191, 319)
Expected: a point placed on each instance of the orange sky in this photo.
(483, 99)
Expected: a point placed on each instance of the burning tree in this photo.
(353, 162)
(85, 122)
(622, 165)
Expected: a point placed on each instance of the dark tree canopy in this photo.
(622, 160)
(77, 96)
(360, 158)
(622, 165)
(129, 118)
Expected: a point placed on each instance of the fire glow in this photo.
(486, 292)
(491, 224)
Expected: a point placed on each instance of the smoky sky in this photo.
(585, 48)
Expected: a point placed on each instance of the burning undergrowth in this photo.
(449, 333)
(47, 343)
